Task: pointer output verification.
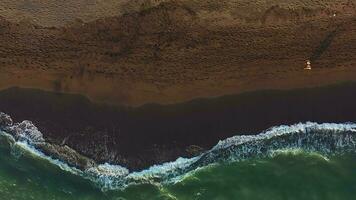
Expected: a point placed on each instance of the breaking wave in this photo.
(325, 139)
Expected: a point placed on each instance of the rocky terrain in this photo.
(174, 51)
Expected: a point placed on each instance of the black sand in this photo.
(151, 134)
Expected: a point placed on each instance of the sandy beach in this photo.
(175, 51)
(177, 99)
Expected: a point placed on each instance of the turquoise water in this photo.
(305, 161)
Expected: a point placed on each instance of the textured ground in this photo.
(137, 52)
(176, 50)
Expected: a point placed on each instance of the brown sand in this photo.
(134, 52)
(176, 51)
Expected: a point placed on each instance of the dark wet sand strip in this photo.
(151, 134)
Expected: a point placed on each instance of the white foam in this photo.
(28, 148)
(310, 136)
(162, 171)
(296, 152)
(284, 130)
(26, 131)
(326, 138)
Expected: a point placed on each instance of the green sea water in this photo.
(287, 175)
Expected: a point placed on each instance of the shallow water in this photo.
(302, 161)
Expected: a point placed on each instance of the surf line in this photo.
(326, 139)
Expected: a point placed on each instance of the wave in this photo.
(325, 139)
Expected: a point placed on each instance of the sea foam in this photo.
(324, 139)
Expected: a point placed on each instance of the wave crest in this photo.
(325, 139)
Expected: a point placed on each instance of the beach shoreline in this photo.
(117, 92)
(177, 99)
(139, 137)
(158, 76)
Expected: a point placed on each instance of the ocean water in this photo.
(303, 161)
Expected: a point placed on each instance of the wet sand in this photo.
(114, 90)
(137, 137)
